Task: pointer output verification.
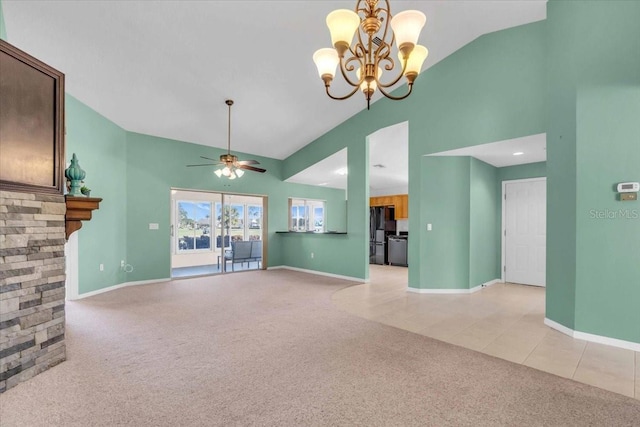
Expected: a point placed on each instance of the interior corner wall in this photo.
(100, 147)
(155, 165)
(492, 89)
(485, 213)
(445, 189)
(592, 143)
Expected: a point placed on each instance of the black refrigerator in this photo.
(381, 224)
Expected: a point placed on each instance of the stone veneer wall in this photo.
(32, 278)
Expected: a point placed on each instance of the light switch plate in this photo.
(153, 226)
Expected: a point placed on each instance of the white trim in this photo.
(613, 342)
(72, 266)
(121, 285)
(318, 273)
(504, 225)
(453, 291)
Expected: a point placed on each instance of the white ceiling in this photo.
(388, 147)
(329, 172)
(165, 68)
(501, 154)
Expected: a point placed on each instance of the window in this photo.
(254, 221)
(241, 222)
(307, 215)
(194, 226)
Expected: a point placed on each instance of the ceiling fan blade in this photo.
(251, 168)
(208, 164)
(207, 158)
(248, 162)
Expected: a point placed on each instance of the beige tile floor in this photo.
(504, 320)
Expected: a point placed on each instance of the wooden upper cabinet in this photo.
(399, 201)
(402, 206)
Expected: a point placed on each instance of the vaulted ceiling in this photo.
(164, 68)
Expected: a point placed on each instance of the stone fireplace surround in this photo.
(32, 285)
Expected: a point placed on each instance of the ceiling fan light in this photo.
(218, 172)
(226, 171)
(406, 27)
(239, 172)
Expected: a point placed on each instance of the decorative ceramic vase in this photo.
(75, 174)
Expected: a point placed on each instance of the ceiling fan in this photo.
(231, 167)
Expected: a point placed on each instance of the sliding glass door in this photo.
(215, 232)
(242, 225)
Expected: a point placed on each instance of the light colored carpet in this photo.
(269, 348)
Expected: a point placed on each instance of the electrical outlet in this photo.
(101, 267)
(312, 255)
(122, 264)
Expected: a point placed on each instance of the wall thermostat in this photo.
(628, 187)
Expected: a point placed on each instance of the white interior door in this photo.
(525, 231)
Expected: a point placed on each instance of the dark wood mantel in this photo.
(78, 210)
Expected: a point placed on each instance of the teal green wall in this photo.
(574, 76)
(461, 200)
(100, 147)
(155, 165)
(485, 210)
(608, 275)
(474, 96)
(445, 202)
(530, 170)
(134, 173)
(3, 28)
(592, 143)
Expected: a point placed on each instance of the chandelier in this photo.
(362, 63)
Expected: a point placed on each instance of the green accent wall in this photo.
(446, 205)
(608, 275)
(461, 200)
(133, 174)
(155, 165)
(575, 76)
(474, 96)
(530, 170)
(592, 144)
(100, 147)
(485, 213)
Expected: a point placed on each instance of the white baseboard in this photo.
(453, 291)
(614, 342)
(121, 285)
(319, 273)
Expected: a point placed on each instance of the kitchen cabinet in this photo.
(402, 206)
(399, 201)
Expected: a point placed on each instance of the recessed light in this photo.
(518, 153)
(342, 171)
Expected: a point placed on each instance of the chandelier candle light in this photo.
(372, 49)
